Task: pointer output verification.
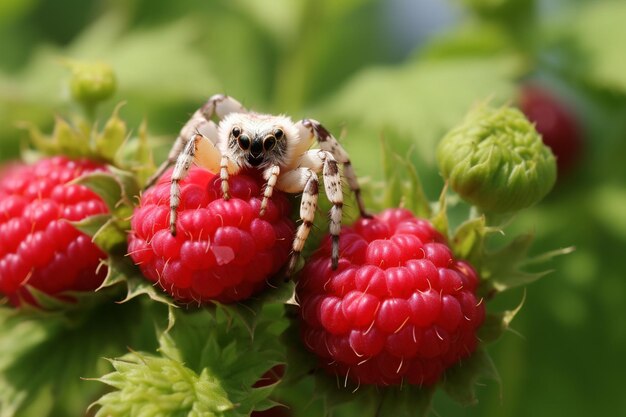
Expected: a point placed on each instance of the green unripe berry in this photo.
(497, 161)
(92, 82)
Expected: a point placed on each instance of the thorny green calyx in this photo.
(497, 161)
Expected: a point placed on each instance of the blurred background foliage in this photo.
(401, 70)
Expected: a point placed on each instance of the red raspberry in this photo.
(39, 248)
(556, 123)
(398, 307)
(223, 251)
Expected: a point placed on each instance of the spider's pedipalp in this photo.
(273, 173)
(329, 143)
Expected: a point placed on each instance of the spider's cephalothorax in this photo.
(276, 146)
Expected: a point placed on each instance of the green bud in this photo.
(92, 82)
(148, 386)
(497, 161)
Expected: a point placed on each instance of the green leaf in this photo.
(249, 311)
(35, 352)
(208, 366)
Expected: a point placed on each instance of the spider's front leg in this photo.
(305, 179)
(327, 142)
(203, 152)
(200, 123)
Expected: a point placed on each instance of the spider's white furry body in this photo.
(272, 144)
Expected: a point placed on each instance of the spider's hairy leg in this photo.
(203, 152)
(301, 180)
(317, 161)
(200, 122)
(272, 177)
(329, 143)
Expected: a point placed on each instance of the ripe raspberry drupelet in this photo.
(39, 248)
(222, 250)
(399, 308)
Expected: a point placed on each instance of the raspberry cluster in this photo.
(222, 250)
(39, 248)
(398, 307)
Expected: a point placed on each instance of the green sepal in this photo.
(469, 240)
(460, 381)
(103, 184)
(402, 185)
(440, 218)
(496, 324)
(501, 267)
(105, 232)
(40, 141)
(113, 135)
(136, 156)
(139, 286)
(69, 139)
(406, 401)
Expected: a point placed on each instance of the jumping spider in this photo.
(275, 145)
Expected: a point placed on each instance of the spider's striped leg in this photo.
(301, 180)
(305, 179)
(329, 143)
(200, 122)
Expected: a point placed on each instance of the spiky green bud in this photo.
(496, 160)
(92, 82)
(156, 386)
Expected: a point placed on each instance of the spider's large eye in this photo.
(235, 132)
(278, 134)
(244, 142)
(269, 142)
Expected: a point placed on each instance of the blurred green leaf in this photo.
(421, 101)
(598, 31)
